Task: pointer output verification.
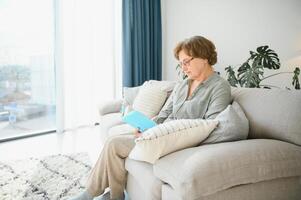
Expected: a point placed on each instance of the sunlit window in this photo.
(27, 75)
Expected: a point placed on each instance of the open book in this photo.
(139, 121)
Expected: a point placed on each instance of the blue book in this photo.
(139, 121)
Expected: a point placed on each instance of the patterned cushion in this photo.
(149, 100)
(130, 93)
(170, 137)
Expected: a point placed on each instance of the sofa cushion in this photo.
(166, 86)
(169, 137)
(210, 168)
(121, 129)
(272, 113)
(149, 100)
(233, 125)
(108, 121)
(143, 174)
(130, 93)
(108, 107)
(276, 189)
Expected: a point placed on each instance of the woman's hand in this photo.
(137, 133)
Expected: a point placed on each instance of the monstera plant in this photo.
(251, 73)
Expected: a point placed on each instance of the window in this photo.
(27, 74)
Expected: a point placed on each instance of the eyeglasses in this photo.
(185, 62)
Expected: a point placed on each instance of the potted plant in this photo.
(251, 73)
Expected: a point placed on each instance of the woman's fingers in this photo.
(137, 133)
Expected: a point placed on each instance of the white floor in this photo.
(81, 140)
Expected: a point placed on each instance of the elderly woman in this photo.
(203, 94)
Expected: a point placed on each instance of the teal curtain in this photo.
(142, 41)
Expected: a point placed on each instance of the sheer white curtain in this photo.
(89, 40)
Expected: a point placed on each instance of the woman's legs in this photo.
(109, 170)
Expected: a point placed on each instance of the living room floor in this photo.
(85, 139)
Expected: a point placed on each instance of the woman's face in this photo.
(192, 67)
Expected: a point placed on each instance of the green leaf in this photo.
(233, 81)
(266, 57)
(296, 82)
(250, 76)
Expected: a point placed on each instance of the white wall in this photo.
(236, 27)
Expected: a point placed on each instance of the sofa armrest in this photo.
(112, 106)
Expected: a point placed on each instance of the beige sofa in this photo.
(265, 166)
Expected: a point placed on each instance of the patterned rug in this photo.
(52, 177)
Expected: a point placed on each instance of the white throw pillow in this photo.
(129, 95)
(149, 100)
(167, 86)
(170, 137)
